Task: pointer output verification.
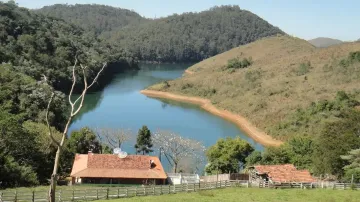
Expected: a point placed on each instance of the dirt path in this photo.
(253, 132)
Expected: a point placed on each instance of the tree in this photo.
(336, 139)
(228, 155)
(275, 155)
(300, 151)
(83, 141)
(254, 158)
(75, 109)
(176, 148)
(112, 138)
(352, 171)
(144, 141)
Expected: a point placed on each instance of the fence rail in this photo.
(90, 194)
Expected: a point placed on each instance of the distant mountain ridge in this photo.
(323, 42)
(188, 37)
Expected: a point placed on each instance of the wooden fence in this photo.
(109, 193)
(65, 195)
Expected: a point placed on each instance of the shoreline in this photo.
(250, 130)
(188, 72)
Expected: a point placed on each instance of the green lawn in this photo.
(254, 194)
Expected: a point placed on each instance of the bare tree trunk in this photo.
(74, 111)
(53, 181)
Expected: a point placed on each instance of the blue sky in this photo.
(306, 19)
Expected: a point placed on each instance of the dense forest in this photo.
(94, 18)
(189, 37)
(35, 47)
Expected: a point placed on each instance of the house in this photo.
(111, 169)
(280, 174)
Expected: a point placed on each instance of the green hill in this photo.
(177, 38)
(96, 18)
(286, 74)
(323, 42)
(35, 45)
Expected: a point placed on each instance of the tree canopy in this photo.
(37, 45)
(186, 37)
(228, 155)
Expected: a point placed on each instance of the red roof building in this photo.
(282, 173)
(110, 169)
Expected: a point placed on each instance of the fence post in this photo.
(33, 196)
(169, 189)
(194, 187)
(15, 195)
(73, 195)
(161, 191)
(60, 193)
(135, 190)
(127, 192)
(144, 191)
(1, 196)
(154, 190)
(118, 193)
(97, 194)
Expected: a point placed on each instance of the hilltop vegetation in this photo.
(186, 37)
(37, 45)
(323, 42)
(99, 19)
(293, 91)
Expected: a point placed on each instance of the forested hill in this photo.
(37, 45)
(33, 45)
(177, 38)
(96, 18)
(194, 36)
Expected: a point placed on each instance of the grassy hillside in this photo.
(187, 37)
(323, 42)
(254, 194)
(286, 74)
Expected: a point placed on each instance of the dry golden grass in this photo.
(273, 86)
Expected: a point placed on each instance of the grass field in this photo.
(254, 194)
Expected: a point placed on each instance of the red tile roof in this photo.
(284, 173)
(111, 166)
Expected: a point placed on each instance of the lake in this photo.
(121, 105)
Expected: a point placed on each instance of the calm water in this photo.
(120, 105)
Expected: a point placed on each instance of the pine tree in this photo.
(144, 141)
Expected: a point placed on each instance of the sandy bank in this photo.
(253, 132)
(189, 72)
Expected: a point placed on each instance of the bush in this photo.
(303, 69)
(236, 63)
(252, 76)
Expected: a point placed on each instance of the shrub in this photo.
(252, 76)
(236, 63)
(303, 69)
